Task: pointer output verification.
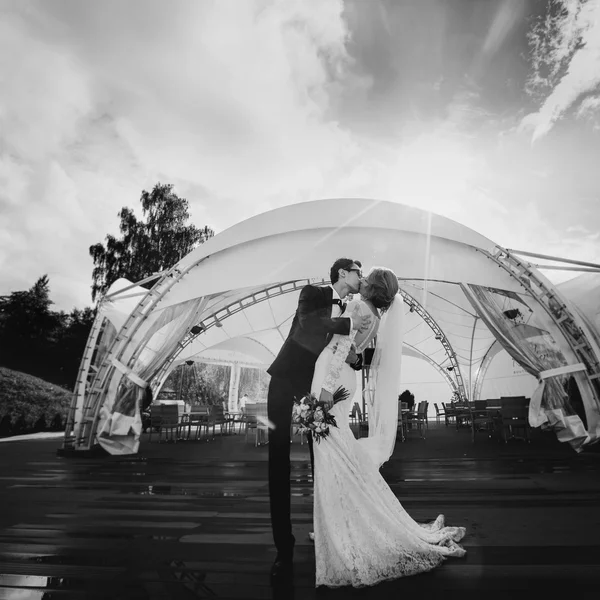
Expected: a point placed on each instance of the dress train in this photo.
(362, 534)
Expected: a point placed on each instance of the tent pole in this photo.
(234, 384)
(141, 282)
(565, 260)
(471, 360)
(557, 268)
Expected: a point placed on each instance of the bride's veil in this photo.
(383, 386)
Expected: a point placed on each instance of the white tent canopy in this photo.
(232, 299)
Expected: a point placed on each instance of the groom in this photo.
(318, 317)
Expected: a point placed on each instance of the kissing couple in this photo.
(362, 534)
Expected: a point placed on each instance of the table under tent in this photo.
(472, 309)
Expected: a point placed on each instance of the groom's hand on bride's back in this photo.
(360, 322)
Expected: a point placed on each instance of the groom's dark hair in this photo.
(341, 263)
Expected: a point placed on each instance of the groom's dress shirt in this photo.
(336, 310)
(336, 306)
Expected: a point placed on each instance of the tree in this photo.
(70, 345)
(146, 247)
(27, 325)
(40, 341)
(199, 383)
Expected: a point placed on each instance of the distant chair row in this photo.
(175, 424)
(503, 416)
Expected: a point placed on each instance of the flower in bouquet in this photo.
(311, 414)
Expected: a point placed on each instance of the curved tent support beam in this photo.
(293, 286)
(82, 383)
(441, 370)
(85, 433)
(229, 310)
(415, 306)
(483, 367)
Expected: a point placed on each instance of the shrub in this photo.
(28, 403)
(5, 426)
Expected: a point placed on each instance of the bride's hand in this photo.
(327, 398)
(352, 356)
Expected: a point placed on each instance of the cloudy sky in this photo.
(485, 112)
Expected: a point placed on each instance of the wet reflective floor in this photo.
(191, 519)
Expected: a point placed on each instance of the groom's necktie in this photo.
(341, 304)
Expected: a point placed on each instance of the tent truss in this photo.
(86, 370)
(81, 436)
(219, 317)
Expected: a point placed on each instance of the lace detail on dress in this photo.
(363, 535)
(363, 339)
(339, 346)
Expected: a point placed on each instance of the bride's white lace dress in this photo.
(362, 534)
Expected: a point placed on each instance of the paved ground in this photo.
(191, 520)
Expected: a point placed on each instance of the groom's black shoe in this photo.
(282, 569)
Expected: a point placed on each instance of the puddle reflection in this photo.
(26, 587)
(164, 490)
(79, 560)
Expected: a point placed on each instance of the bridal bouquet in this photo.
(311, 414)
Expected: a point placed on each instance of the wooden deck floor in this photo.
(191, 520)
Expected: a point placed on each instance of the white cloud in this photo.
(232, 98)
(235, 88)
(44, 93)
(588, 106)
(568, 47)
(589, 109)
(508, 14)
(45, 98)
(552, 42)
(578, 229)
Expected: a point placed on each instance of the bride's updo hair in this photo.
(383, 287)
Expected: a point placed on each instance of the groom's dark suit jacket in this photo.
(311, 331)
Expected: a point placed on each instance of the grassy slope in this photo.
(31, 397)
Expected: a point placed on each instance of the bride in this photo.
(362, 534)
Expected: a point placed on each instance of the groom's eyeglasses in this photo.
(357, 271)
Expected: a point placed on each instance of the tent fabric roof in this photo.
(431, 255)
(339, 213)
(302, 241)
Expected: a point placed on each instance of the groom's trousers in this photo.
(280, 401)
